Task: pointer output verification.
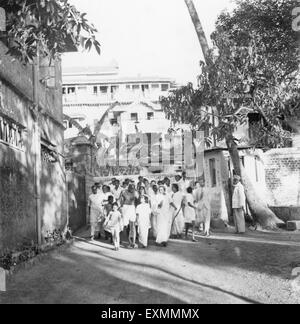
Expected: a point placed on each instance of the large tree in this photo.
(45, 27)
(252, 68)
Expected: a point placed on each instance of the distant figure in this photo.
(178, 219)
(95, 211)
(147, 186)
(113, 224)
(116, 190)
(143, 212)
(203, 212)
(154, 202)
(189, 213)
(108, 208)
(184, 183)
(239, 205)
(129, 213)
(164, 217)
(168, 187)
(140, 183)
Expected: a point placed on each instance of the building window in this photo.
(95, 90)
(136, 87)
(145, 87)
(71, 90)
(134, 117)
(150, 115)
(104, 89)
(164, 87)
(155, 86)
(11, 133)
(128, 87)
(213, 172)
(64, 91)
(114, 89)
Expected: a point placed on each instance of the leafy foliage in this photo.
(253, 68)
(49, 27)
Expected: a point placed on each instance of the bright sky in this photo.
(148, 37)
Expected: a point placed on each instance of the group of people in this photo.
(162, 209)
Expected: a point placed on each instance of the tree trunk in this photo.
(259, 209)
(199, 29)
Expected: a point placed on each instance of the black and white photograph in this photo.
(149, 155)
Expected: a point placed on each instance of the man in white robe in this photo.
(239, 205)
(95, 211)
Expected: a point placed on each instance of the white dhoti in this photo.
(144, 224)
(94, 220)
(239, 220)
(129, 214)
(207, 220)
(200, 213)
(154, 223)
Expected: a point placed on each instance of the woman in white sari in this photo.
(154, 202)
(143, 212)
(178, 223)
(164, 218)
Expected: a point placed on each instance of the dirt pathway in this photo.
(222, 269)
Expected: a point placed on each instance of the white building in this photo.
(91, 94)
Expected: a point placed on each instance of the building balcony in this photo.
(120, 95)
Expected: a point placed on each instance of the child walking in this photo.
(113, 224)
(190, 213)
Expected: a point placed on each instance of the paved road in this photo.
(223, 269)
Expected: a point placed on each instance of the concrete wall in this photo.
(17, 165)
(17, 201)
(77, 201)
(283, 177)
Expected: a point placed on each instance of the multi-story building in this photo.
(99, 100)
(88, 94)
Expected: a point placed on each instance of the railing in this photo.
(129, 95)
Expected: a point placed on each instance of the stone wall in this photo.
(282, 169)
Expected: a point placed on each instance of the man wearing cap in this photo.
(239, 205)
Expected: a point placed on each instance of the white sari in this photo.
(154, 199)
(144, 213)
(202, 201)
(164, 219)
(178, 218)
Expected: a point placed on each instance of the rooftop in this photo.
(91, 70)
(106, 74)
